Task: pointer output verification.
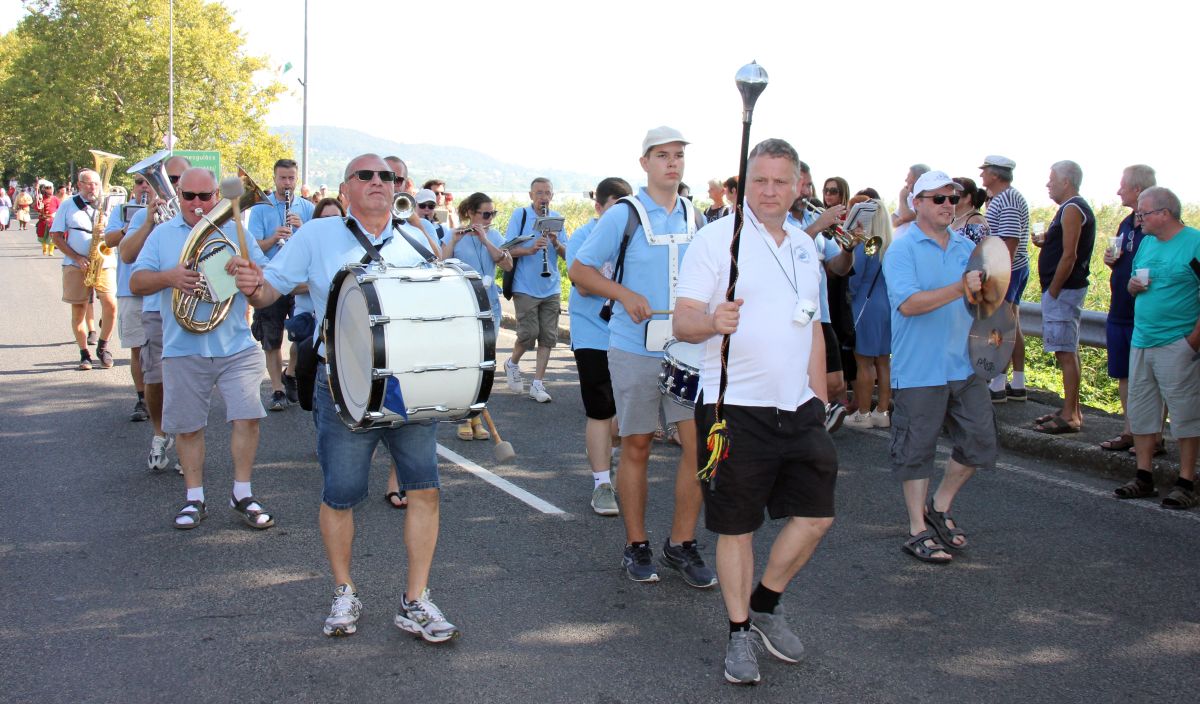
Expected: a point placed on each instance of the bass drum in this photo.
(408, 344)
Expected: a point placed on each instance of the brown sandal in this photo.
(1124, 441)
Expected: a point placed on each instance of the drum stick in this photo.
(662, 312)
(503, 450)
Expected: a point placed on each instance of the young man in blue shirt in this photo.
(932, 376)
(651, 265)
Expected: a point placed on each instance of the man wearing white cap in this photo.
(1008, 218)
(932, 378)
(643, 290)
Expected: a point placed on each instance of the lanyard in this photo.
(769, 243)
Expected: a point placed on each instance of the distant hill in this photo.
(464, 170)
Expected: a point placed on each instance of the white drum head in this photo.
(684, 354)
(354, 349)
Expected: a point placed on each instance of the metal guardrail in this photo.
(1091, 325)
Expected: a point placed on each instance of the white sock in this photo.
(599, 478)
(997, 384)
(196, 494)
(1018, 381)
(241, 490)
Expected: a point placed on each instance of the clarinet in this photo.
(287, 208)
(546, 250)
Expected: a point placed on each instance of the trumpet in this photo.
(847, 240)
(546, 249)
(403, 206)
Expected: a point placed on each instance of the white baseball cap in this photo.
(662, 135)
(931, 181)
(425, 196)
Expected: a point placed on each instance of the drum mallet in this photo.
(233, 189)
(503, 450)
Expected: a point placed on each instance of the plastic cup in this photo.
(1142, 275)
(1114, 247)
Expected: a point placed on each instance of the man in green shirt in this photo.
(1164, 364)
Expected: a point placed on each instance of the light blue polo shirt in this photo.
(149, 303)
(161, 253)
(265, 218)
(527, 270)
(646, 267)
(588, 331)
(320, 249)
(116, 222)
(929, 349)
(470, 251)
(431, 228)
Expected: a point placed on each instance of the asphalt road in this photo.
(1066, 595)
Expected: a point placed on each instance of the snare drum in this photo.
(408, 344)
(680, 377)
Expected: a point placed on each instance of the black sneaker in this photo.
(92, 338)
(1000, 396)
(687, 560)
(1015, 394)
(278, 401)
(639, 563)
(290, 389)
(140, 413)
(835, 413)
(105, 357)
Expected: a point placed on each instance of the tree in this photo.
(78, 75)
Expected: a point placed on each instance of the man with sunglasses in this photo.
(314, 255)
(443, 212)
(272, 228)
(933, 381)
(193, 364)
(129, 306)
(141, 224)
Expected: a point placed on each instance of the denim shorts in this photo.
(345, 456)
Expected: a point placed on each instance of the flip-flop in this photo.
(1124, 441)
(1042, 420)
(1056, 426)
(401, 500)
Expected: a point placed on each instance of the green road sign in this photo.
(202, 159)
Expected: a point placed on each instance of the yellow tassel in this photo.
(718, 449)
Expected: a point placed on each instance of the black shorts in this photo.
(781, 461)
(595, 384)
(833, 352)
(267, 326)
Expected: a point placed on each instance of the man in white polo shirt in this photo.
(193, 364)
(780, 458)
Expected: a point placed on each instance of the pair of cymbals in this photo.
(991, 259)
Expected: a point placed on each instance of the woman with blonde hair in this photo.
(872, 323)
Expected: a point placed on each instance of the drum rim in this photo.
(378, 347)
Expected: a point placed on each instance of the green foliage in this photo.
(93, 75)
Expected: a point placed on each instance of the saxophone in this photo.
(98, 251)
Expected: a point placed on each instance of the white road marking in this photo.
(500, 483)
(1068, 484)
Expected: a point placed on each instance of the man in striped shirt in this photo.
(1008, 218)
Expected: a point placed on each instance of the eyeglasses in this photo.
(367, 174)
(833, 191)
(487, 214)
(426, 206)
(938, 200)
(174, 179)
(202, 197)
(1141, 214)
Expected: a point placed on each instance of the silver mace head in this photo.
(751, 82)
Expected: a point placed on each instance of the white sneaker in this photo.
(537, 392)
(512, 374)
(881, 419)
(858, 420)
(425, 619)
(157, 461)
(343, 614)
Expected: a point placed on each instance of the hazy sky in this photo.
(862, 89)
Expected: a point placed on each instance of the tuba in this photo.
(154, 170)
(98, 251)
(205, 240)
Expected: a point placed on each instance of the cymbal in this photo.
(991, 258)
(990, 342)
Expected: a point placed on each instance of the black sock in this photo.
(1145, 477)
(640, 543)
(84, 354)
(141, 395)
(1186, 484)
(735, 626)
(101, 344)
(764, 600)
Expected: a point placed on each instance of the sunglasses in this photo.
(139, 181)
(174, 179)
(487, 214)
(833, 192)
(938, 200)
(202, 197)
(367, 174)
(426, 206)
